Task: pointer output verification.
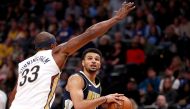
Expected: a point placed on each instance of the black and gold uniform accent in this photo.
(90, 91)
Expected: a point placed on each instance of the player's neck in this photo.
(91, 76)
(40, 50)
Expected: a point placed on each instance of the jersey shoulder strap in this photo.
(84, 78)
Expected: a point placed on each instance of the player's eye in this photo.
(97, 59)
(89, 58)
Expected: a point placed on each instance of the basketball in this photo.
(125, 104)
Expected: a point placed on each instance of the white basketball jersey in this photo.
(37, 81)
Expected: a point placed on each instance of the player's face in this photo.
(92, 62)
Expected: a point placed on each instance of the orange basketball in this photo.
(126, 104)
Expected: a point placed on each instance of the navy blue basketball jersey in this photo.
(90, 91)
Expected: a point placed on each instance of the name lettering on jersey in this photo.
(92, 95)
(42, 59)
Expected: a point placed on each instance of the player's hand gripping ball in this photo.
(125, 104)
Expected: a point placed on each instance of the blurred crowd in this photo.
(146, 56)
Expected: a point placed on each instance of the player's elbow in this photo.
(91, 32)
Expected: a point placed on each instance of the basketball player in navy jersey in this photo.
(83, 89)
(38, 75)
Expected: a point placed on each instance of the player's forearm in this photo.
(91, 104)
(101, 28)
(11, 96)
(92, 32)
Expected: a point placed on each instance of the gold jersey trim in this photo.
(54, 82)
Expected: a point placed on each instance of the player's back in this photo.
(37, 81)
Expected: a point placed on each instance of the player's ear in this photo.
(53, 45)
(83, 63)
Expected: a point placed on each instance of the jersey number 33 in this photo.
(34, 75)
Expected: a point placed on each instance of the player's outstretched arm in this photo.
(96, 30)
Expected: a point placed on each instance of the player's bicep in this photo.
(75, 87)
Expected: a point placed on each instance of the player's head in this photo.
(91, 60)
(44, 40)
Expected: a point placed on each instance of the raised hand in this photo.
(124, 10)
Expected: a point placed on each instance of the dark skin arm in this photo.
(11, 96)
(61, 52)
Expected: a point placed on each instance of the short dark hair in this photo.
(92, 50)
(44, 40)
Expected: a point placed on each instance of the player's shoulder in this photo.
(24, 61)
(43, 53)
(75, 77)
(75, 80)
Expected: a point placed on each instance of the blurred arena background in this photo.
(146, 56)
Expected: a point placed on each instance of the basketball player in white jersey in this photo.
(38, 75)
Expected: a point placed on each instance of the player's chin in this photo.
(94, 69)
